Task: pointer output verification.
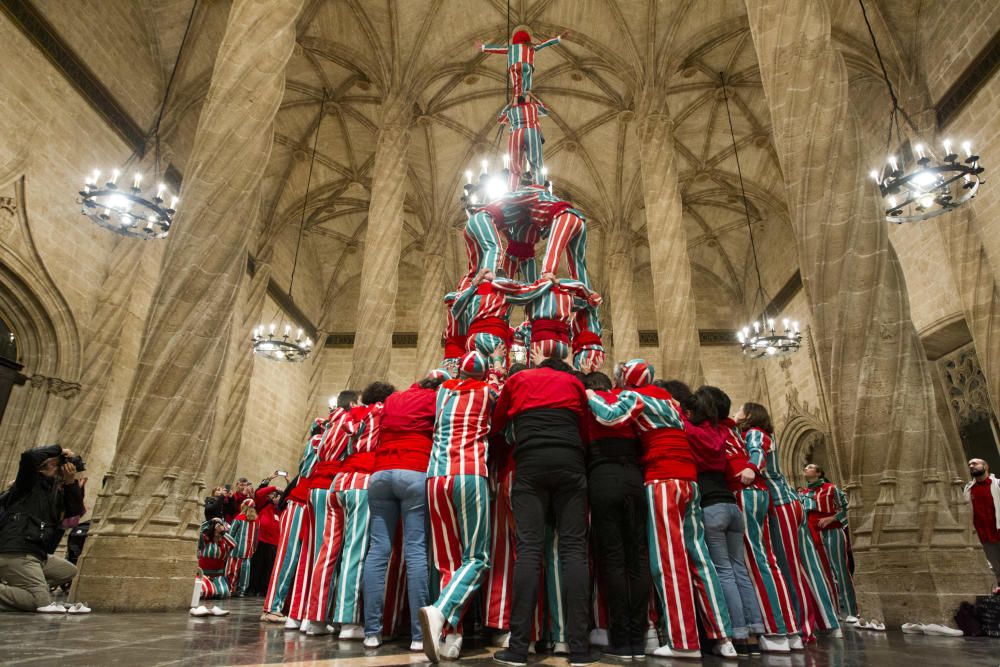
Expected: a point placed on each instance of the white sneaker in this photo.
(305, 626)
(351, 631)
(200, 610)
(836, 633)
(291, 623)
(877, 626)
(432, 625)
(318, 629)
(417, 646)
(851, 620)
(666, 652)
(502, 640)
(372, 641)
(560, 648)
(531, 648)
(652, 641)
(598, 637)
(451, 647)
(219, 611)
(725, 648)
(795, 642)
(913, 628)
(78, 608)
(942, 630)
(774, 644)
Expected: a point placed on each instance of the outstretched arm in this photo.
(755, 447)
(493, 48)
(552, 41)
(628, 407)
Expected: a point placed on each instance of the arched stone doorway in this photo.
(804, 440)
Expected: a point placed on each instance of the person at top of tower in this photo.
(520, 57)
(526, 138)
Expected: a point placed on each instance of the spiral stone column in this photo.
(621, 295)
(142, 554)
(380, 266)
(431, 316)
(914, 559)
(676, 324)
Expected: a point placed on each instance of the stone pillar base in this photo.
(918, 585)
(141, 573)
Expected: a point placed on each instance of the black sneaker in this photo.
(639, 649)
(753, 646)
(512, 658)
(582, 659)
(742, 648)
(618, 653)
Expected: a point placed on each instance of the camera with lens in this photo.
(77, 461)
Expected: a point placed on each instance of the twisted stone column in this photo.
(431, 316)
(676, 324)
(142, 554)
(621, 296)
(380, 267)
(914, 559)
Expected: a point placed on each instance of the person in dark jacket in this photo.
(44, 493)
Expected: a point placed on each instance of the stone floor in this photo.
(240, 639)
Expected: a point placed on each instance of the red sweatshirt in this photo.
(267, 516)
(599, 431)
(708, 444)
(538, 388)
(407, 430)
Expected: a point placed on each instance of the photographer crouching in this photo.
(32, 511)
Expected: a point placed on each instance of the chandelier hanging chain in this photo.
(305, 199)
(170, 85)
(746, 206)
(896, 109)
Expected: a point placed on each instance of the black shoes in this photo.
(618, 653)
(512, 658)
(585, 658)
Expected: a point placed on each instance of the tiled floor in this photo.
(240, 639)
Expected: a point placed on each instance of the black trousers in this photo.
(621, 548)
(260, 568)
(541, 490)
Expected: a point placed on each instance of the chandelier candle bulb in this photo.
(136, 181)
(947, 146)
(299, 335)
(892, 163)
(967, 147)
(468, 177)
(485, 165)
(920, 150)
(160, 190)
(272, 328)
(173, 203)
(114, 177)
(506, 161)
(874, 175)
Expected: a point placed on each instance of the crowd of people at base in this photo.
(559, 509)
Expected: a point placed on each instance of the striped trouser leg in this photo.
(553, 587)
(824, 562)
(324, 572)
(352, 556)
(569, 234)
(287, 559)
(483, 243)
(243, 582)
(233, 566)
(460, 531)
(707, 588)
(214, 586)
(515, 147)
(835, 544)
(532, 145)
(550, 348)
(768, 582)
(303, 572)
(394, 602)
(484, 343)
(526, 75)
(667, 503)
(785, 520)
(822, 596)
(500, 578)
(516, 80)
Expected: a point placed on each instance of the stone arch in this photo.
(805, 440)
(47, 336)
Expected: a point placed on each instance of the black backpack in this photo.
(968, 621)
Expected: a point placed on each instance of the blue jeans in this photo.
(724, 537)
(392, 493)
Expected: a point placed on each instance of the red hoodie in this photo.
(708, 444)
(267, 516)
(407, 430)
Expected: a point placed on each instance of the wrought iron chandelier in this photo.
(136, 211)
(920, 184)
(762, 338)
(267, 342)
(488, 187)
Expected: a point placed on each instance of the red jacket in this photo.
(267, 516)
(538, 388)
(407, 428)
(708, 444)
(599, 431)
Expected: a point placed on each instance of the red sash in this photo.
(585, 338)
(323, 474)
(363, 462)
(301, 491)
(492, 325)
(454, 346)
(543, 329)
(520, 249)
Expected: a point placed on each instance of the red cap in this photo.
(521, 37)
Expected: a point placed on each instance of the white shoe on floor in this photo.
(942, 630)
(451, 647)
(432, 625)
(318, 629)
(913, 628)
(291, 623)
(725, 648)
(851, 620)
(351, 631)
(560, 648)
(666, 652)
(304, 627)
(416, 646)
(774, 644)
(200, 610)
(795, 642)
(374, 641)
(598, 637)
(218, 611)
(836, 633)
(877, 626)
(502, 640)
(652, 641)
(531, 648)
(78, 608)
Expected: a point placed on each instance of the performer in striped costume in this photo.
(525, 139)
(488, 304)
(350, 489)
(214, 546)
(456, 329)
(327, 513)
(679, 558)
(550, 310)
(520, 58)
(458, 499)
(793, 547)
(585, 334)
(290, 541)
(244, 533)
(826, 510)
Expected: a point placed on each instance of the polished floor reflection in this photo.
(240, 639)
